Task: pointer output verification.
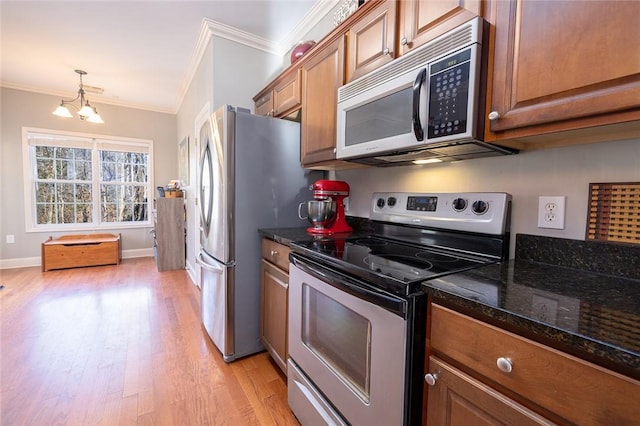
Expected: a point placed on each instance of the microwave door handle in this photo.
(417, 85)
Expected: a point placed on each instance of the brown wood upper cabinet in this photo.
(564, 65)
(281, 97)
(371, 40)
(322, 74)
(422, 21)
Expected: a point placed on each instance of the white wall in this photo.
(526, 176)
(239, 72)
(198, 97)
(21, 108)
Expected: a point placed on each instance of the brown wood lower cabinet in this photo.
(274, 300)
(458, 399)
(556, 385)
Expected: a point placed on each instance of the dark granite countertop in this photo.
(550, 294)
(286, 235)
(593, 316)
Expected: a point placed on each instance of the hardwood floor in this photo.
(123, 345)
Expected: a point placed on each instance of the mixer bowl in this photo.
(320, 213)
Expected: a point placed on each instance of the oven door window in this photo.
(387, 116)
(340, 337)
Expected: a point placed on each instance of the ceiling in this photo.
(142, 53)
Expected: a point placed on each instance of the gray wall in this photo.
(21, 108)
(560, 171)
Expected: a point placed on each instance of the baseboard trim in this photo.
(28, 262)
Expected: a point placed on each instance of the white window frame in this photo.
(93, 142)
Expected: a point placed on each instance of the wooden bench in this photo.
(74, 251)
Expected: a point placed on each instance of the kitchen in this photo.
(565, 171)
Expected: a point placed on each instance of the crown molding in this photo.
(208, 30)
(318, 12)
(211, 28)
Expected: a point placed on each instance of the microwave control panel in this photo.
(449, 95)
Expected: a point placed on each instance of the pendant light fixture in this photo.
(85, 112)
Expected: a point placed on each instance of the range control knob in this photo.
(380, 203)
(459, 204)
(480, 207)
(391, 201)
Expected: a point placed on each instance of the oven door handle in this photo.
(356, 288)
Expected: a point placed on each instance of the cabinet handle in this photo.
(273, 253)
(404, 41)
(431, 378)
(494, 115)
(504, 364)
(386, 51)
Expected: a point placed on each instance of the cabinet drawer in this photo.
(276, 253)
(575, 390)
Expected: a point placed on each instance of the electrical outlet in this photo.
(551, 212)
(11, 239)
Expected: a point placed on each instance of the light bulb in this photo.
(62, 111)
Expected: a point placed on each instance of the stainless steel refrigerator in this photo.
(250, 178)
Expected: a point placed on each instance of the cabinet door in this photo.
(371, 40)
(457, 399)
(424, 20)
(322, 74)
(264, 104)
(273, 324)
(286, 94)
(565, 60)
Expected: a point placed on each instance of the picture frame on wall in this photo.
(183, 161)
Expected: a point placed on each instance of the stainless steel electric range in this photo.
(358, 307)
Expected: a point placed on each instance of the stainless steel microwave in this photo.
(426, 106)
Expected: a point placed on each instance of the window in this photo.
(78, 181)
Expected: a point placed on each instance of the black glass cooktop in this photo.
(385, 262)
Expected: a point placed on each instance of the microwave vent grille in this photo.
(462, 36)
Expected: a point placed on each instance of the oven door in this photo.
(348, 345)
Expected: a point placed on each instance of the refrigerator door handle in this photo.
(214, 267)
(213, 264)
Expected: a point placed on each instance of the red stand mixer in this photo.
(330, 192)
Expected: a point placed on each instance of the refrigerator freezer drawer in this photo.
(214, 304)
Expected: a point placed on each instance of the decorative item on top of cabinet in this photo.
(169, 234)
(274, 300)
(512, 371)
(281, 97)
(423, 20)
(552, 72)
(371, 40)
(345, 10)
